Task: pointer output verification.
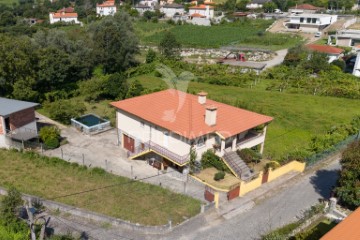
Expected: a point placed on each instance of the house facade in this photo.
(67, 15)
(177, 121)
(345, 38)
(106, 8)
(17, 121)
(205, 11)
(170, 10)
(310, 22)
(141, 8)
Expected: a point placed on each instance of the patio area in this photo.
(207, 177)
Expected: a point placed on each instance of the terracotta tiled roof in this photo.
(202, 6)
(181, 113)
(106, 4)
(348, 229)
(197, 15)
(66, 10)
(64, 15)
(324, 49)
(306, 7)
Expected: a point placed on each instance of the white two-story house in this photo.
(67, 15)
(166, 124)
(203, 10)
(17, 121)
(106, 8)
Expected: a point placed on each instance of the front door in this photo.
(129, 143)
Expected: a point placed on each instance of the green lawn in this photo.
(247, 33)
(297, 117)
(136, 201)
(317, 230)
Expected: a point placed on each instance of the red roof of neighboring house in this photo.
(197, 15)
(66, 10)
(306, 7)
(181, 113)
(109, 3)
(64, 15)
(324, 49)
(348, 229)
(201, 6)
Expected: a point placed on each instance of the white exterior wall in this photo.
(356, 71)
(253, 5)
(253, 142)
(132, 125)
(67, 20)
(170, 12)
(323, 20)
(207, 14)
(105, 11)
(142, 10)
(3, 142)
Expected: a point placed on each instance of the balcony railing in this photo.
(147, 146)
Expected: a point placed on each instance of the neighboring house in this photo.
(255, 4)
(345, 38)
(67, 15)
(17, 121)
(170, 10)
(176, 120)
(333, 53)
(141, 8)
(198, 19)
(150, 3)
(310, 22)
(347, 229)
(206, 11)
(305, 8)
(106, 8)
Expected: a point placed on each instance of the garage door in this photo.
(129, 143)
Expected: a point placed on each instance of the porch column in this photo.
(234, 143)
(263, 143)
(222, 148)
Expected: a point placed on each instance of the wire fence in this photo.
(310, 161)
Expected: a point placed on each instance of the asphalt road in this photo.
(269, 213)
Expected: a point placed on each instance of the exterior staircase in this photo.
(237, 165)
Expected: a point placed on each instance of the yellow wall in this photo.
(246, 187)
(291, 166)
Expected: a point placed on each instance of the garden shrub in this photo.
(273, 165)
(49, 132)
(249, 155)
(52, 143)
(219, 175)
(210, 159)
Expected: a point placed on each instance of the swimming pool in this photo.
(90, 123)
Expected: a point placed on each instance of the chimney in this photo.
(202, 97)
(210, 115)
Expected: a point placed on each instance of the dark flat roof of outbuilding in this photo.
(9, 106)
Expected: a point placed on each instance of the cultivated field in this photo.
(246, 33)
(55, 179)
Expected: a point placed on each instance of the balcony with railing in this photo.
(251, 139)
(151, 146)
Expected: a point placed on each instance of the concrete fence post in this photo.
(202, 208)
(83, 159)
(62, 153)
(132, 171)
(216, 199)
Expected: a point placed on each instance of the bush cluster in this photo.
(210, 159)
(50, 136)
(249, 155)
(219, 175)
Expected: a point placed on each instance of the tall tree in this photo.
(169, 47)
(115, 42)
(348, 189)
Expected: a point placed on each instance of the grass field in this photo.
(247, 33)
(297, 117)
(136, 201)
